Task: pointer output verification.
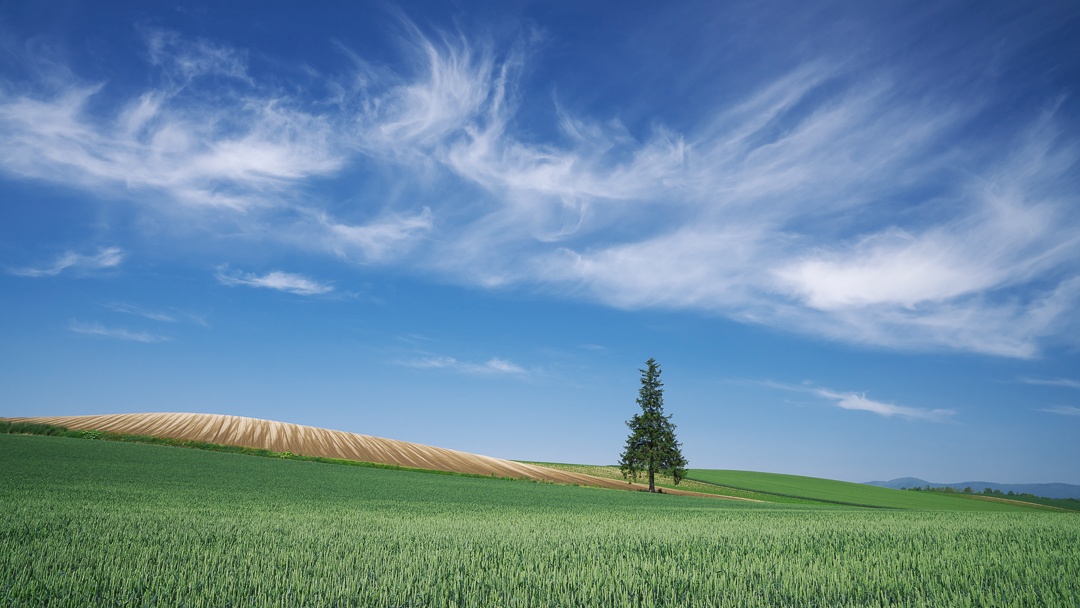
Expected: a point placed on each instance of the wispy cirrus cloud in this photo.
(378, 240)
(277, 280)
(184, 61)
(851, 400)
(130, 309)
(756, 251)
(493, 366)
(118, 333)
(105, 258)
(1063, 410)
(763, 212)
(173, 316)
(212, 139)
(237, 149)
(1064, 382)
(824, 200)
(859, 401)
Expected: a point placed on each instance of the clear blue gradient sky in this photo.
(849, 232)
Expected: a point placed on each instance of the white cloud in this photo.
(1064, 410)
(450, 90)
(1009, 233)
(108, 257)
(131, 309)
(502, 366)
(173, 316)
(281, 281)
(893, 267)
(97, 329)
(239, 146)
(850, 400)
(378, 240)
(187, 60)
(691, 268)
(1065, 382)
(493, 366)
(857, 401)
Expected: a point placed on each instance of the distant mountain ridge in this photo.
(1048, 490)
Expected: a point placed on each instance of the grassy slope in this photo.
(613, 472)
(766, 487)
(843, 492)
(792, 489)
(216, 431)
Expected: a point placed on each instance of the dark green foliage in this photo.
(13, 427)
(651, 447)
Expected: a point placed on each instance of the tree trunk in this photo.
(652, 486)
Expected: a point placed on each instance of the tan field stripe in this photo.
(313, 441)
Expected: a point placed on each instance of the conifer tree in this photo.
(651, 447)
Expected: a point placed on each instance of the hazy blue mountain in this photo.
(1049, 490)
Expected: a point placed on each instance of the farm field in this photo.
(310, 442)
(307, 440)
(847, 493)
(114, 524)
(791, 489)
(667, 483)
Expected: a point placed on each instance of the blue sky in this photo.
(849, 232)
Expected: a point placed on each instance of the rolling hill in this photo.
(282, 437)
(852, 494)
(313, 441)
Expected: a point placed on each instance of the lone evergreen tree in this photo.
(651, 446)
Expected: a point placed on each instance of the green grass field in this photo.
(94, 523)
(663, 481)
(846, 493)
(791, 489)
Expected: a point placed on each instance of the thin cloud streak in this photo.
(850, 400)
(1063, 410)
(97, 329)
(130, 309)
(175, 316)
(105, 258)
(1065, 382)
(493, 366)
(859, 401)
(277, 280)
